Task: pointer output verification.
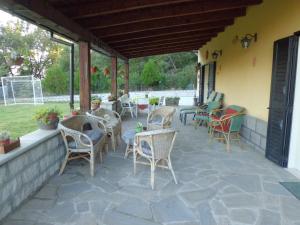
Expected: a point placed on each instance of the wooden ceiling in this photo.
(135, 28)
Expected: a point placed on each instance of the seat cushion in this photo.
(95, 135)
(146, 148)
(156, 120)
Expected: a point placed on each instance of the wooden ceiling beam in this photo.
(205, 32)
(165, 51)
(171, 22)
(98, 8)
(196, 35)
(168, 30)
(166, 46)
(45, 15)
(161, 12)
(162, 44)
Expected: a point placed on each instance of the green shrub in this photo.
(55, 81)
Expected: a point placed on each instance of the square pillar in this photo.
(114, 64)
(126, 78)
(85, 76)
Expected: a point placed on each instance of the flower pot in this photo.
(51, 125)
(95, 106)
(5, 142)
(75, 113)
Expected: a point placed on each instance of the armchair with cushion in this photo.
(155, 147)
(112, 121)
(202, 116)
(227, 123)
(84, 137)
(160, 118)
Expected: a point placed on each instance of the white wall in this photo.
(294, 153)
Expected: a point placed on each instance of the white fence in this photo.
(186, 96)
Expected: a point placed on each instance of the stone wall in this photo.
(24, 170)
(254, 132)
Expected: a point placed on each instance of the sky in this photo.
(5, 17)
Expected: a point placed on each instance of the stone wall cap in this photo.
(28, 142)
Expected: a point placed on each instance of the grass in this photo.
(18, 119)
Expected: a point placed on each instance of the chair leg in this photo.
(92, 163)
(131, 111)
(227, 141)
(152, 174)
(63, 166)
(126, 151)
(134, 161)
(100, 156)
(172, 171)
(113, 141)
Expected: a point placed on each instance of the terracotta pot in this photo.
(94, 69)
(52, 125)
(52, 116)
(5, 142)
(95, 106)
(75, 113)
(106, 72)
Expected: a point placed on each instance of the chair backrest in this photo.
(219, 97)
(161, 101)
(213, 105)
(237, 118)
(101, 112)
(211, 97)
(160, 141)
(79, 123)
(124, 99)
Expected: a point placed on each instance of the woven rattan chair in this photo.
(155, 147)
(84, 137)
(112, 121)
(127, 105)
(160, 118)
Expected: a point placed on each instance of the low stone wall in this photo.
(24, 170)
(254, 132)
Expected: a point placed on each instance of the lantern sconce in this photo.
(246, 40)
(216, 54)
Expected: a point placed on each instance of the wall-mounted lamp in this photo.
(246, 40)
(216, 54)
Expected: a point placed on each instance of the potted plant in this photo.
(111, 98)
(96, 102)
(106, 71)
(94, 69)
(4, 138)
(75, 112)
(154, 101)
(47, 118)
(139, 127)
(172, 101)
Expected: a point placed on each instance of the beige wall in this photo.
(244, 75)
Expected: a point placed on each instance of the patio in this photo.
(215, 187)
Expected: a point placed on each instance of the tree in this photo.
(151, 75)
(32, 44)
(56, 81)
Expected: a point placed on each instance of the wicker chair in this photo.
(127, 105)
(160, 118)
(155, 146)
(84, 137)
(112, 121)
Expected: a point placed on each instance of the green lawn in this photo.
(18, 119)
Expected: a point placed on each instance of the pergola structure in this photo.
(128, 29)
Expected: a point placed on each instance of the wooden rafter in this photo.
(161, 12)
(98, 8)
(172, 22)
(151, 45)
(176, 38)
(165, 36)
(161, 52)
(169, 30)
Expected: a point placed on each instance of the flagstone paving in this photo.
(215, 188)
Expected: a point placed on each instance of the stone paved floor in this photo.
(215, 188)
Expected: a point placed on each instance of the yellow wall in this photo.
(244, 75)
